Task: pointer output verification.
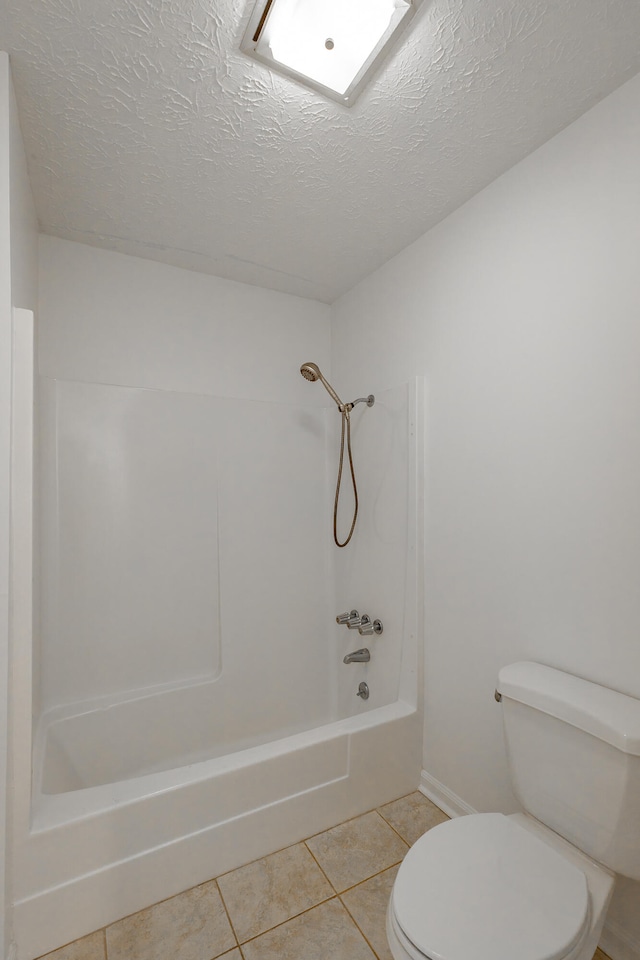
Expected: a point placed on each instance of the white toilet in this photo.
(534, 885)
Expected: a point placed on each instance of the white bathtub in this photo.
(131, 736)
(98, 853)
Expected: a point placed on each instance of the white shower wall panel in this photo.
(371, 573)
(183, 540)
(130, 564)
(274, 563)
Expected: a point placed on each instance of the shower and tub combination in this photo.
(184, 707)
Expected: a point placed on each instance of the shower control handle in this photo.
(368, 627)
(351, 619)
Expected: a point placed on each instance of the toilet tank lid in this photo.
(611, 716)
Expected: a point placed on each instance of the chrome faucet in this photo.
(358, 656)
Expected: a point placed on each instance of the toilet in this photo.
(533, 885)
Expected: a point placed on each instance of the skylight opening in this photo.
(332, 46)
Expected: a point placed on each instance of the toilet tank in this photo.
(574, 754)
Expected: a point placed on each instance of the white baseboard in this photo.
(447, 800)
(615, 941)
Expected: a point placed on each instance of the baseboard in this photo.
(447, 800)
(615, 941)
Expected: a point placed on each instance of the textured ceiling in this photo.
(148, 132)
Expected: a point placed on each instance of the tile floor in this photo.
(324, 899)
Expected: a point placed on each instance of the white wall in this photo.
(18, 236)
(522, 309)
(111, 318)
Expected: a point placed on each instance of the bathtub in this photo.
(131, 736)
(106, 821)
(99, 852)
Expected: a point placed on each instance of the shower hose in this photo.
(346, 428)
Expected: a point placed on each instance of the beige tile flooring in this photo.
(324, 899)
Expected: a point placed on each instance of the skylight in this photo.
(332, 46)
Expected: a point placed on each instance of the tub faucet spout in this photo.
(358, 656)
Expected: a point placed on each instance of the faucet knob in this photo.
(348, 618)
(367, 628)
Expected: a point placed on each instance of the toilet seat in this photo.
(481, 886)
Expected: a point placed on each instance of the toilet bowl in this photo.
(533, 885)
(495, 887)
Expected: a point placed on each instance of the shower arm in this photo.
(348, 407)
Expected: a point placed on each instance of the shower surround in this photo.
(186, 697)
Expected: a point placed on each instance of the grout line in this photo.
(156, 903)
(338, 899)
(365, 879)
(92, 933)
(341, 824)
(319, 865)
(374, 810)
(356, 817)
(360, 930)
(226, 910)
(372, 877)
(226, 873)
(395, 830)
(334, 896)
(331, 896)
(288, 920)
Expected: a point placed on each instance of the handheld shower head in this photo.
(311, 371)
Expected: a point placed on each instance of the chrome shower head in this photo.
(311, 371)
